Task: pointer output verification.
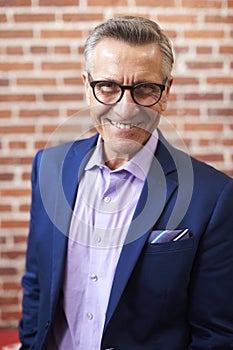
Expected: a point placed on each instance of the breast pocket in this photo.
(169, 241)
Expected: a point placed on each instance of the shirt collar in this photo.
(139, 165)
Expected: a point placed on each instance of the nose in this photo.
(126, 107)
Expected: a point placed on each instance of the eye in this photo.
(107, 87)
(147, 89)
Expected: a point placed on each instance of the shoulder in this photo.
(58, 153)
(203, 176)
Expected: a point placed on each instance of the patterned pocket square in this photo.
(168, 235)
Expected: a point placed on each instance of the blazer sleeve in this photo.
(28, 323)
(211, 288)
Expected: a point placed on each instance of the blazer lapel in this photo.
(157, 191)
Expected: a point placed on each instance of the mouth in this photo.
(123, 126)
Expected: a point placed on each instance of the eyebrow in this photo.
(141, 81)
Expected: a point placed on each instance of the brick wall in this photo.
(41, 52)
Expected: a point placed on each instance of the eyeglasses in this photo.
(108, 92)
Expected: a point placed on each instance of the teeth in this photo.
(123, 126)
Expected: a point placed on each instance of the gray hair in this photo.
(132, 30)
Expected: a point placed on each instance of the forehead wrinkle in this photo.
(113, 60)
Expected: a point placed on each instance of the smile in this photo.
(123, 126)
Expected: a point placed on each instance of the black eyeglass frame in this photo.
(93, 83)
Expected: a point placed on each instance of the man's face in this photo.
(125, 126)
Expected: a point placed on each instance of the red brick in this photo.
(3, 18)
(6, 176)
(11, 286)
(6, 300)
(204, 50)
(17, 98)
(12, 34)
(36, 81)
(205, 142)
(40, 144)
(204, 34)
(12, 255)
(155, 3)
(73, 81)
(26, 176)
(58, 2)
(11, 315)
(61, 65)
(186, 80)
(66, 129)
(81, 50)
(34, 17)
(12, 66)
(38, 49)
(63, 97)
(117, 2)
(16, 192)
(213, 157)
(4, 82)
(220, 80)
(177, 18)
(219, 19)
(204, 96)
(24, 208)
(17, 129)
(203, 127)
(5, 208)
(71, 112)
(172, 34)
(31, 113)
(62, 49)
(181, 49)
(8, 271)
(20, 239)
(5, 113)
(15, 160)
(227, 142)
(14, 50)
(230, 3)
(79, 17)
(14, 224)
(15, 3)
(65, 33)
(17, 145)
(224, 112)
(202, 4)
(180, 112)
(226, 49)
(204, 65)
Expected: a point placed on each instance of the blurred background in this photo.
(41, 62)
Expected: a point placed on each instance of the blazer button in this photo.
(47, 325)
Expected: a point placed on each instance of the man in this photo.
(131, 240)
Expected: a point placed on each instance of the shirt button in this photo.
(97, 239)
(107, 199)
(94, 277)
(89, 316)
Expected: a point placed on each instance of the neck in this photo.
(116, 163)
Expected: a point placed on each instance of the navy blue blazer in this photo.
(176, 295)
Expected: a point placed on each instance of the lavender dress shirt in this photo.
(104, 208)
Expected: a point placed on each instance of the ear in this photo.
(166, 93)
(87, 87)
